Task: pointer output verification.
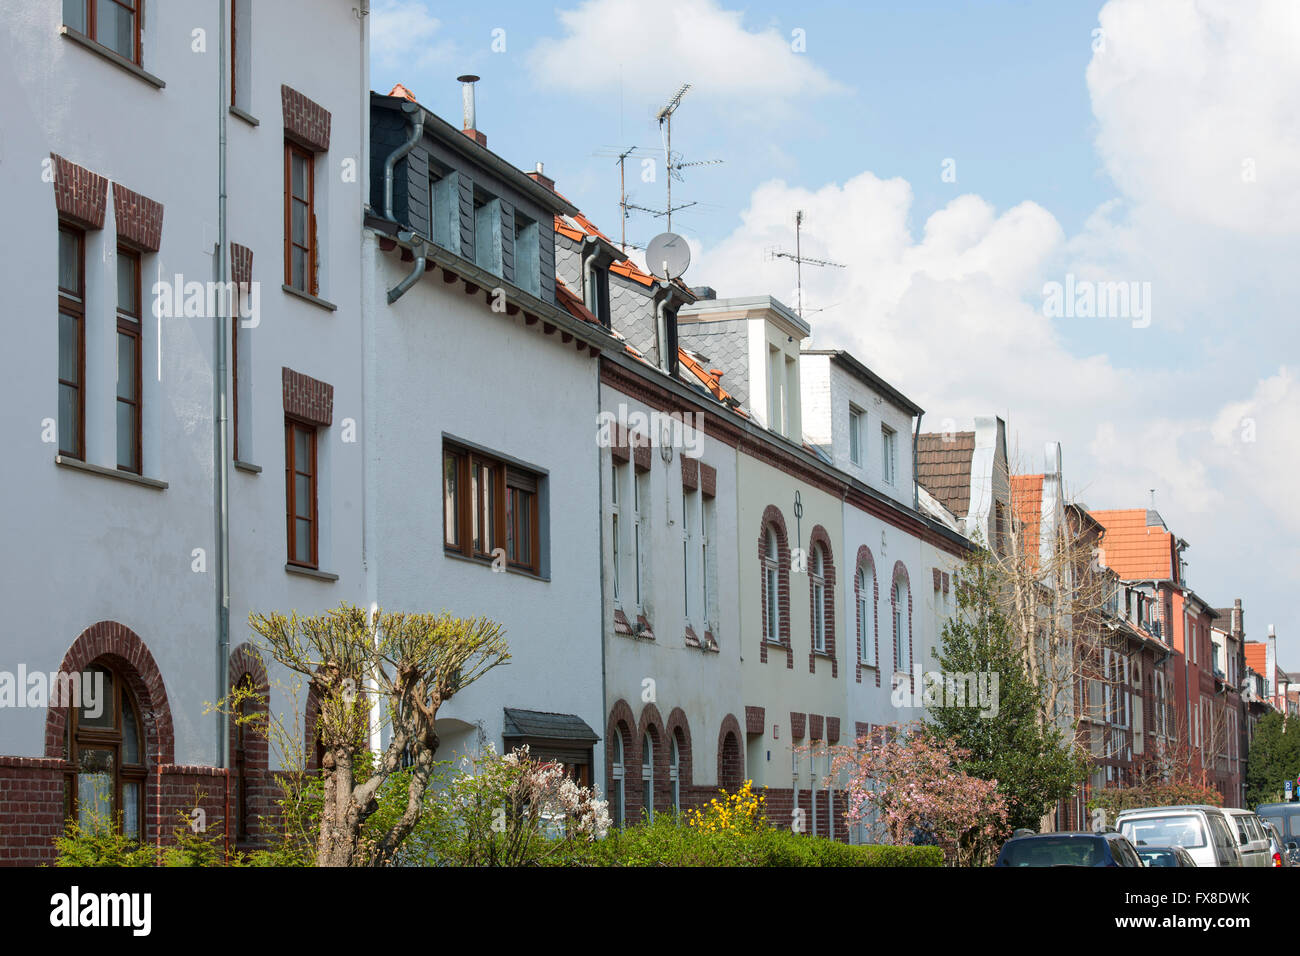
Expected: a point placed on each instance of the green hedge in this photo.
(667, 843)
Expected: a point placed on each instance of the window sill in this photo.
(867, 667)
(111, 56)
(308, 297)
(248, 466)
(311, 573)
(487, 563)
(247, 117)
(64, 462)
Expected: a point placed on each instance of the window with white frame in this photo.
(902, 649)
(855, 434)
(647, 776)
(618, 472)
(708, 561)
(640, 507)
(865, 593)
(817, 577)
(771, 589)
(690, 524)
(617, 799)
(888, 455)
(674, 774)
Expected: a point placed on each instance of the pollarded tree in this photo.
(410, 664)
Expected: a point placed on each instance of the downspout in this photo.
(220, 471)
(604, 681)
(588, 281)
(916, 488)
(415, 116)
(417, 270)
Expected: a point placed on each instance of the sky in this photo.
(960, 158)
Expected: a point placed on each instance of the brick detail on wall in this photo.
(241, 263)
(690, 473)
(755, 720)
(832, 730)
(938, 578)
(307, 398)
(731, 755)
(772, 518)
(900, 574)
(679, 728)
(79, 194)
(305, 121)
(708, 480)
(819, 538)
(263, 789)
(31, 806)
(815, 726)
(831, 806)
(861, 731)
(139, 219)
(640, 452)
(797, 723)
(945, 582)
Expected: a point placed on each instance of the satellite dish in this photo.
(667, 256)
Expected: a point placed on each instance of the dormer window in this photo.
(487, 232)
(597, 256)
(528, 274)
(442, 195)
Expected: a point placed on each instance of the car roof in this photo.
(1065, 833)
(1166, 811)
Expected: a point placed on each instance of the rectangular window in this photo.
(888, 455)
(300, 492)
(299, 219)
(770, 587)
(72, 342)
(707, 531)
(855, 435)
(490, 506)
(774, 388)
(128, 361)
(638, 504)
(616, 543)
(688, 505)
(528, 265)
(443, 193)
(487, 233)
(111, 23)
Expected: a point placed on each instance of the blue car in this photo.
(1069, 849)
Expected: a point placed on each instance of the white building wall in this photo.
(97, 548)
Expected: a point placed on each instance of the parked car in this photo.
(1286, 817)
(1069, 849)
(1164, 856)
(1277, 848)
(1252, 840)
(1203, 831)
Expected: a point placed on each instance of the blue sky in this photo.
(1163, 151)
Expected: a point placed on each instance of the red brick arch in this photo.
(772, 518)
(620, 714)
(818, 538)
(652, 723)
(678, 727)
(118, 645)
(865, 557)
(731, 755)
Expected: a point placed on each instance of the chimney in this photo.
(540, 177)
(1238, 626)
(1270, 663)
(467, 95)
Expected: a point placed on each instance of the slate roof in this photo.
(536, 723)
(1134, 549)
(943, 465)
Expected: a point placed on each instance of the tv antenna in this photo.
(621, 157)
(799, 260)
(665, 118)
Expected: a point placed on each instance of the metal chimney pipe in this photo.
(467, 95)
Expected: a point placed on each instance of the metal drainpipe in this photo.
(414, 115)
(916, 488)
(417, 270)
(599, 786)
(221, 493)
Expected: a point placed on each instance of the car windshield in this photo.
(1054, 851)
(1158, 857)
(1175, 830)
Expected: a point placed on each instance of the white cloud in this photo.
(654, 49)
(404, 36)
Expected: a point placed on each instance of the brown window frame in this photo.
(291, 150)
(291, 426)
(509, 480)
(131, 325)
(72, 302)
(111, 739)
(92, 26)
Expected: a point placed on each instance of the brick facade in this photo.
(79, 195)
(820, 539)
(305, 121)
(307, 399)
(139, 219)
(773, 519)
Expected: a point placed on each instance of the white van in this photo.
(1203, 831)
(1252, 838)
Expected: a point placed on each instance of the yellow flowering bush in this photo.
(741, 812)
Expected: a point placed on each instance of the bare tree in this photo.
(408, 663)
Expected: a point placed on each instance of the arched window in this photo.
(865, 593)
(647, 776)
(902, 646)
(240, 758)
(771, 589)
(106, 754)
(674, 774)
(817, 577)
(617, 801)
